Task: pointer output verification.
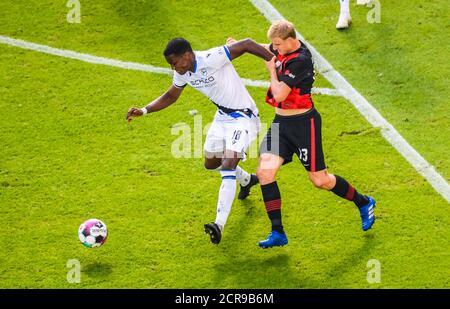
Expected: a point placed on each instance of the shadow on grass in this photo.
(353, 259)
(279, 269)
(270, 272)
(276, 267)
(239, 270)
(97, 270)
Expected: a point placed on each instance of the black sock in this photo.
(272, 200)
(345, 190)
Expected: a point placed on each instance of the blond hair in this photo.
(282, 29)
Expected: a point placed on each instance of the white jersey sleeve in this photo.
(178, 80)
(214, 75)
(217, 57)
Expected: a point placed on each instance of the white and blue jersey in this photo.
(215, 77)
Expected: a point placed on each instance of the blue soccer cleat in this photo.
(274, 239)
(367, 214)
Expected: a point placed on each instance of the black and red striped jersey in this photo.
(296, 70)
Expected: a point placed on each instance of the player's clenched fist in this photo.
(134, 112)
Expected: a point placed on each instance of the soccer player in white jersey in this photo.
(236, 122)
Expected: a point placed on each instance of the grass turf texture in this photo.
(67, 154)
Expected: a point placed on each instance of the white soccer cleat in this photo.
(362, 2)
(344, 22)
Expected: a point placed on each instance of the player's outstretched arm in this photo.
(238, 48)
(231, 40)
(169, 97)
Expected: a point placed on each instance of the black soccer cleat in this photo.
(245, 190)
(214, 232)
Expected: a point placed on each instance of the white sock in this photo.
(226, 196)
(242, 176)
(345, 7)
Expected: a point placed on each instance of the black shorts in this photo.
(299, 134)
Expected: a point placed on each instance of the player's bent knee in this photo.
(209, 166)
(230, 164)
(320, 183)
(212, 164)
(265, 176)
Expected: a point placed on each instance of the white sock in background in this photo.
(345, 7)
(226, 196)
(242, 176)
(344, 16)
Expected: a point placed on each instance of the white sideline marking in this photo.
(83, 57)
(127, 65)
(367, 110)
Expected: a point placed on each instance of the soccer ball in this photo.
(92, 233)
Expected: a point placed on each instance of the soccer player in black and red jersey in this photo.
(296, 129)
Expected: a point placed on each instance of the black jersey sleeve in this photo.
(296, 71)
